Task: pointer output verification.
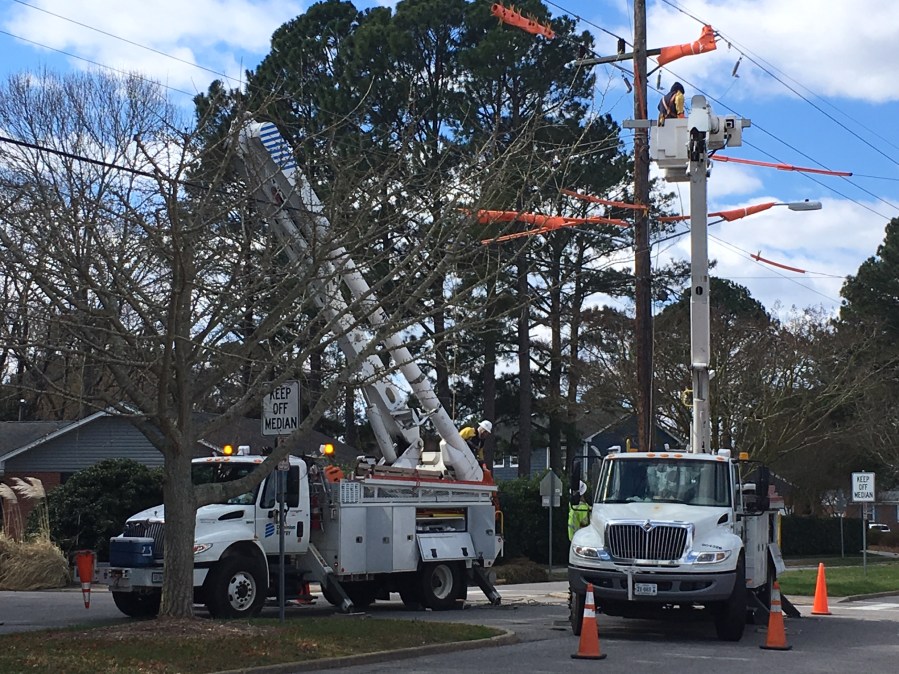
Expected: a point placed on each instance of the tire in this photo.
(236, 588)
(330, 595)
(764, 594)
(440, 585)
(730, 618)
(410, 594)
(138, 604)
(362, 594)
(576, 611)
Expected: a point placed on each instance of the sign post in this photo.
(281, 416)
(551, 495)
(863, 492)
(840, 508)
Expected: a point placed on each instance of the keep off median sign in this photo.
(863, 487)
(281, 409)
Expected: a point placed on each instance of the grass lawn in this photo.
(844, 581)
(199, 646)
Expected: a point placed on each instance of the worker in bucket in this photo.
(476, 438)
(578, 510)
(672, 104)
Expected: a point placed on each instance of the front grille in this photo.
(662, 543)
(146, 529)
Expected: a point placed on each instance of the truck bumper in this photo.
(122, 579)
(673, 588)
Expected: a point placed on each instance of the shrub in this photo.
(810, 536)
(92, 506)
(526, 522)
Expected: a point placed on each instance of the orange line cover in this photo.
(511, 17)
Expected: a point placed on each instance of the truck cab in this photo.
(676, 530)
(236, 542)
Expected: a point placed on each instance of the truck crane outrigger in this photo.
(421, 523)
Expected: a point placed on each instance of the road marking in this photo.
(871, 607)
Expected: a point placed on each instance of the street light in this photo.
(737, 213)
(802, 205)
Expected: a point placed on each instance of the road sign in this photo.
(551, 490)
(281, 409)
(863, 487)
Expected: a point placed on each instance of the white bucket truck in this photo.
(674, 531)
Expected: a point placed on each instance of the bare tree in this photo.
(153, 271)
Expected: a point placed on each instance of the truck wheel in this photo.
(730, 618)
(138, 604)
(409, 593)
(765, 592)
(576, 611)
(361, 593)
(236, 588)
(331, 596)
(440, 585)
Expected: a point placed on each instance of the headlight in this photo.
(594, 553)
(708, 557)
(201, 547)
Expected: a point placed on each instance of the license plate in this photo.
(646, 589)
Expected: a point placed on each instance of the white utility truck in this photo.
(420, 523)
(674, 531)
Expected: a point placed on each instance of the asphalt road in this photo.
(859, 636)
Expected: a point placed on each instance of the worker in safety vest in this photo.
(475, 438)
(578, 511)
(672, 103)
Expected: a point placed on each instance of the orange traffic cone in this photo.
(84, 562)
(588, 648)
(820, 605)
(777, 635)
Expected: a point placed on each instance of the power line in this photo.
(125, 40)
(98, 64)
(789, 145)
(743, 51)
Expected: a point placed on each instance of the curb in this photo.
(873, 595)
(507, 638)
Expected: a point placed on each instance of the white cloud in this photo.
(203, 32)
(828, 245)
(840, 49)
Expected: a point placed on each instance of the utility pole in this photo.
(642, 260)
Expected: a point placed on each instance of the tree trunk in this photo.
(180, 524)
(524, 369)
(554, 389)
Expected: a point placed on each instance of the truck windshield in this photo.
(204, 473)
(701, 483)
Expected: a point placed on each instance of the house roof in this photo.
(626, 426)
(18, 437)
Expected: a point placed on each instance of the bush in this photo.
(811, 536)
(526, 521)
(520, 570)
(92, 506)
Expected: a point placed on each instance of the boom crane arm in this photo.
(292, 208)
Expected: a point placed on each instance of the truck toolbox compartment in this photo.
(130, 551)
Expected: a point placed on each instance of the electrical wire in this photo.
(125, 40)
(96, 63)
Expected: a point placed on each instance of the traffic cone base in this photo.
(588, 648)
(820, 606)
(777, 635)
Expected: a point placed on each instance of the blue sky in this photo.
(828, 98)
